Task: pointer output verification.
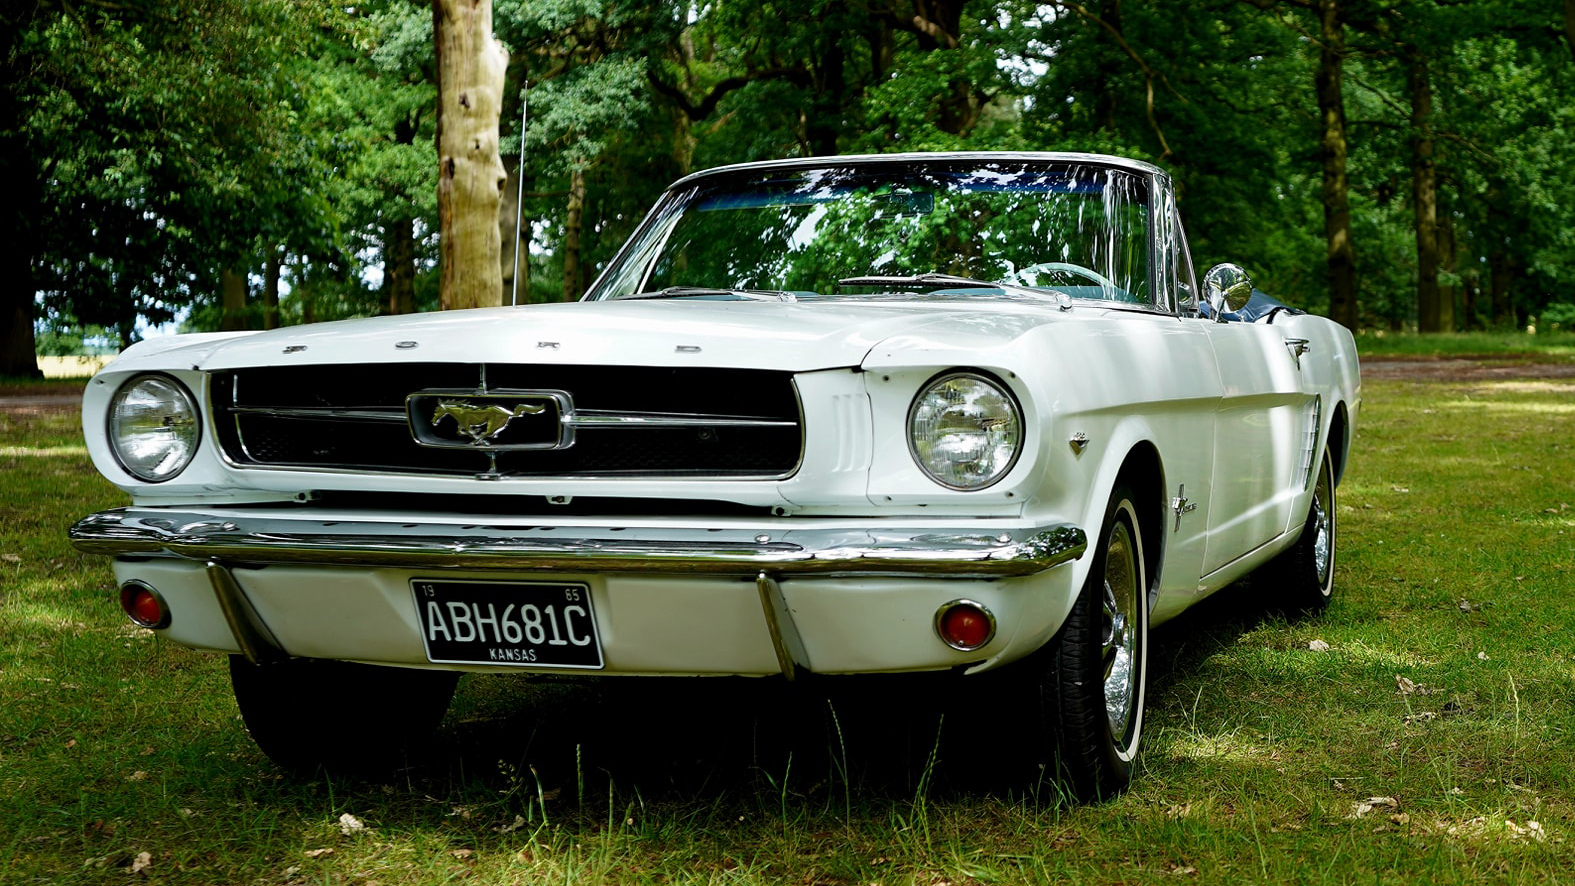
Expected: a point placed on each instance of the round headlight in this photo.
(965, 431)
(153, 427)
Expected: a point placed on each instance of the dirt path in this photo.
(1461, 370)
(46, 397)
(36, 405)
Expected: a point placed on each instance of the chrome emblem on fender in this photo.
(1182, 506)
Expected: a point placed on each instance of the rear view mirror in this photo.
(1226, 288)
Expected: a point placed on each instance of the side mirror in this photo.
(1227, 288)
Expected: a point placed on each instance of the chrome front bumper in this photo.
(225, 539)
(264, 540)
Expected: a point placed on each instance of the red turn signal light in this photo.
(965, 625)
(144, 605)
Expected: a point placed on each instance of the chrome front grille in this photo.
(626, 421)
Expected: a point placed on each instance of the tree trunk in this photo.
(1501, 278)
(571, 235)
(271, 290)
(470, 65)
(232, 294)
(939, 25)
(527, 231)
(826, 106)
(684, 143)
(18, 349)
(1432, 314)
(301, 291)
(883, 49)
(513, 230)
(1340, 253)
(1448, 262)
(1468, 298)
(399, 265)
(825, 117)
(1107, 101)
(19, 208)
(1569, 23)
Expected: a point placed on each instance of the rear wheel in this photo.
(312, 714)
(1304, 572)
(1093, 688)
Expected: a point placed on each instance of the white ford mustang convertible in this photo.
(966, 413)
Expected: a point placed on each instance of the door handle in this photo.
(1298, 347)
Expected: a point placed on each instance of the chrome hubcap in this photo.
(1120, 643)
(1323, 527)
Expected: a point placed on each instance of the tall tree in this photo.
(1433, 313)
(1333, 150)
(471, 65)
(1569, 24)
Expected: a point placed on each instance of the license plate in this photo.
(528, 624)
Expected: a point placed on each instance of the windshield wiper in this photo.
(937, 281)
(686, 291)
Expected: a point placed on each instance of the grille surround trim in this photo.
(753, 431)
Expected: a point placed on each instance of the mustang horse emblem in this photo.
(481, 423)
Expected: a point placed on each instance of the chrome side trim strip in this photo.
(586, 418)
(260, 539)
(583, 418)
(336, 412)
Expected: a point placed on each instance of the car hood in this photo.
(673, 332)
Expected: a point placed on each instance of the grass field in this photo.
(1513, 346)
(1431, 742)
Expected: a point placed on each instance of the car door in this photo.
(1262, 420)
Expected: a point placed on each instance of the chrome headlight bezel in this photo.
(1004, 432)
(167, 423)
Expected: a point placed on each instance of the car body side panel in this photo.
(1262, 419)
(1120, 380)
(1330, 367)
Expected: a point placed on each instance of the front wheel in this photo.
(1304, 572)
(346, 718)
(1093, 688)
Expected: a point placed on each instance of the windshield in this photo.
(945, 227)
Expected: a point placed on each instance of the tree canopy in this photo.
(1393, 163)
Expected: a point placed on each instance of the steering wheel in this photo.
(1022, 276)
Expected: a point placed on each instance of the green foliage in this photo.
(155, 144)
(581, 110)
(76, 341)
(1557, 316)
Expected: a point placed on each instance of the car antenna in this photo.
(519, 199)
